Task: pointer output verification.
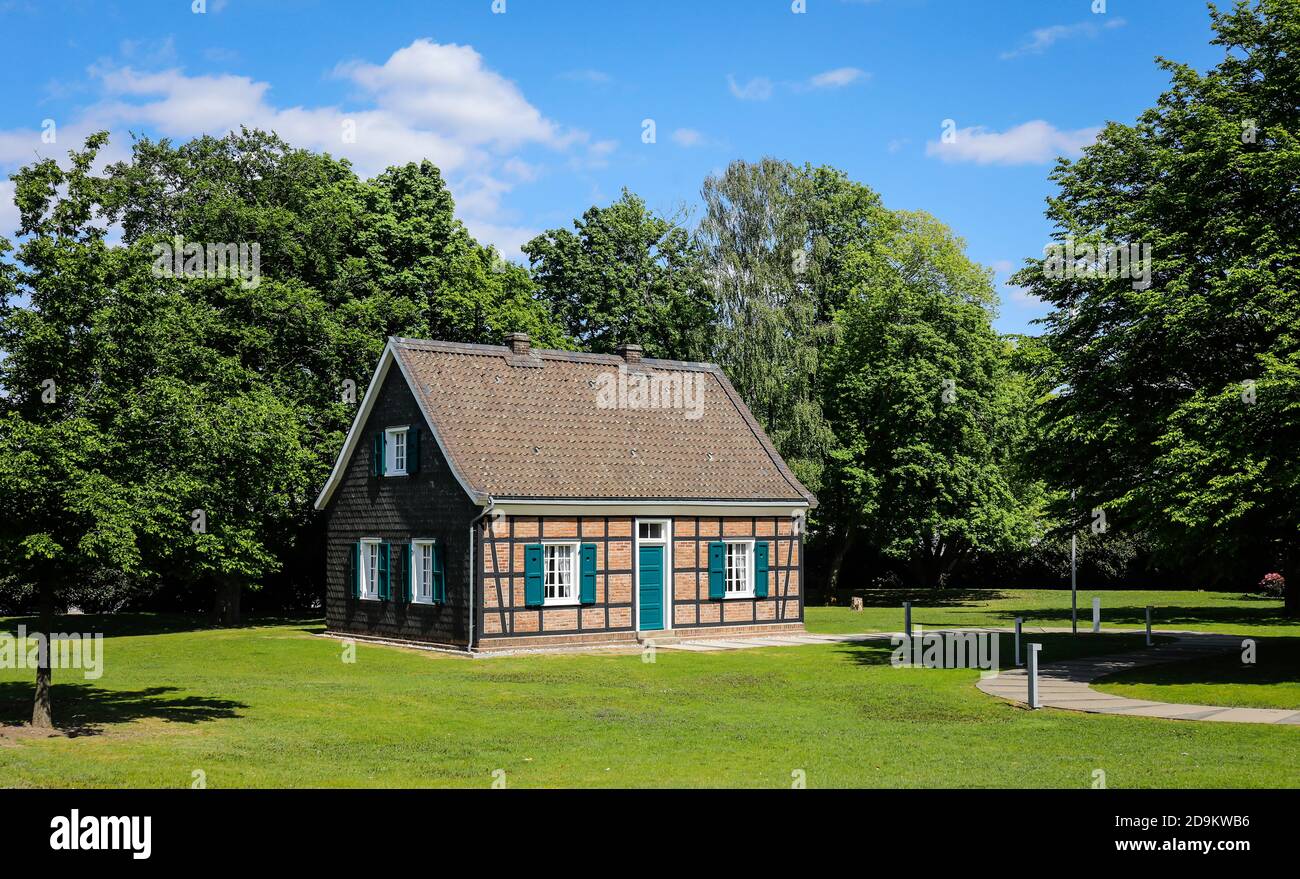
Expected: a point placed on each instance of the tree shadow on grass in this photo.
(121, 625)
(1277, 662)
(1161, 617)
(920, 597)
(81, 709)
(1056, 647)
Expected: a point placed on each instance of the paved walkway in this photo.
(711, 645)
(1065, 684)
(1062, 684)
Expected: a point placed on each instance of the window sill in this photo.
(403, 473)
(562, 602)
(731, 595)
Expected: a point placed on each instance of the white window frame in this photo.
(368, 583)
(417, 569)
(748, 590)
(390, 451)
(575, 573)
(663, 530)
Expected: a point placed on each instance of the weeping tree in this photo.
(782, 247)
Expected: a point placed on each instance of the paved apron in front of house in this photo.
(1061, 684)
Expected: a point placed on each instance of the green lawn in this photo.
(1272, 681)
(1200, 611)
(272, 705)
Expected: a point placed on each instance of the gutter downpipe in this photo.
(473, 568)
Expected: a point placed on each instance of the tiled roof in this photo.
(547, 424)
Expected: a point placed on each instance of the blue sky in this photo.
(537, 113)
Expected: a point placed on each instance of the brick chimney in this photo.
(630, 353)
(518, 343)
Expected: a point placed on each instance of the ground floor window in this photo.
(559, 563)
(369, 574)
(422, 583)
(740, 566)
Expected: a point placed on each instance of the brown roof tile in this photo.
(531, 426)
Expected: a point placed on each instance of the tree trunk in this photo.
(837, 561)
(226, 602)
(42, 711)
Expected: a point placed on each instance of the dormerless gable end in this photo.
(583, 427)
(386, 360)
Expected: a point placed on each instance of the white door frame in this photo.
(667, 543)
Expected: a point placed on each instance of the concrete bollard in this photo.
(1019, 621)
(907, 618)
(1096, 614)
(1033, 676)
(1149, 641)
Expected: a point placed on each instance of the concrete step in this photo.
(662, 636)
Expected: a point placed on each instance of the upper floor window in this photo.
(395, 451)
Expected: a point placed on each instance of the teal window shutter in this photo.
(412, 573)
(354, 570)
(377, 455)
(385, 581)
(760, 569)
(587, 586)
(412, 451)
(439, 577)
(717, 569)
(533, 575)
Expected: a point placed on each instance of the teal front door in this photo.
(650, 587)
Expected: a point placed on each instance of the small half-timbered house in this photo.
(504, 497)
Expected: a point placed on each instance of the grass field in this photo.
(1199, 611)
(273, 705)
(1272, 681)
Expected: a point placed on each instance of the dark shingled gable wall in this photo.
(429, 504)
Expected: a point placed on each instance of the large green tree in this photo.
(927, 412)
(1178, 411)
(158, 428)
(625, 274)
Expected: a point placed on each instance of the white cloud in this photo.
(687, 137)
(837, 78)
(521, 170)
(591, 77)
(8, 211)
(1040, 40)
(760, 88)
(757, 89)
(427, 100)
(447, 88)
(508, 240)
(1030, 143)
